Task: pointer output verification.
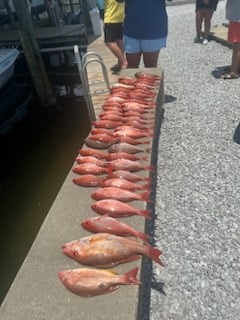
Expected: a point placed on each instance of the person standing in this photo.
(145, 31)
(113, 31)
(204, 13)
(233, 15)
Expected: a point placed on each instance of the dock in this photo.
(36, 292)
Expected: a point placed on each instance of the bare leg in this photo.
(207, 22)
(235, 58)
(199, 20)
(133, 59)
(121, 46)
(150, 59)
(118, 52)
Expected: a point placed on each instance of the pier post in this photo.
(33, 55)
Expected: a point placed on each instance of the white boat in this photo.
(7, 61)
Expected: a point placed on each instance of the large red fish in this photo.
(102, 130)
(93, 152)
(124, 184)
(103, 137)
(107, 124)
(86, 282)
(128, 165)
(89, 168)
(123, 174)
(118, 209)
(124, 155)
(131, 132)
(106, 224)
(107, 250)
(132, 141)
(127, 80)
(120, 194)
(125, 147)
(88, 180)
(91, 159)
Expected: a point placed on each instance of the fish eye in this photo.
(101, 286)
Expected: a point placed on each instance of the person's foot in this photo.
(205, 41)
(230, 75)
(197, 39)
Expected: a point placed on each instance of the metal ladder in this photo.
(82, 64)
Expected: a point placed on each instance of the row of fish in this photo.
(111, 162)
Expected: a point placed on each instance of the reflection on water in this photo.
(35, 159)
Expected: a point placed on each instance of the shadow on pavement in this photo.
(236, 135)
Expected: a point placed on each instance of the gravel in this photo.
(197, 223)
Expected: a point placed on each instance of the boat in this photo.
(8, 57)
(15, 99)
(14, 96)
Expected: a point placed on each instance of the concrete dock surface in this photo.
(197, 202)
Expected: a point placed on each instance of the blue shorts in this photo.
(132, 45)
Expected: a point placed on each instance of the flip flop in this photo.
(115, 68)
(231, 75)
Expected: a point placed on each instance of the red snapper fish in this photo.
(131, 132)
(132, 141)
(128, 165)
(107, 124)
(123, 174)
(125, 147)
(102, 130)
(107, 250)
(106, 224)
(93, 152)
(124, 184)
(103, 137)
(86, 282)
(124, 155)
(88, 180)
(90, 159)
(120, 194)
(89, 168)
(118, 209)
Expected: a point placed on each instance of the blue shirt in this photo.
(145, 19)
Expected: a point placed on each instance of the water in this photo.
(35, 159)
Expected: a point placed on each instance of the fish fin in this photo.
(145, 196)
(154, 254)
(145, 214)
(150, 168)
(131, 276)
(143, 236)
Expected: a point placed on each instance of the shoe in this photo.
(229, 76)
(197, 40)
(205, 41)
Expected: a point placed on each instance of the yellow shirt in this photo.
(113, 11)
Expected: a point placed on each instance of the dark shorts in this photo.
(212, 5)
(113, 32)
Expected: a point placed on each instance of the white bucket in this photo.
(95, 20)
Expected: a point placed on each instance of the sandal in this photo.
(231, 75)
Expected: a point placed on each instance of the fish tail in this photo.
(130, 277)
(145, 214)
(145, 196)
(150, 168)
(143, 236)
(146, 186)
(154, 254)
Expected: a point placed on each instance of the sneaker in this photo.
(205, 41)
(197, 40)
